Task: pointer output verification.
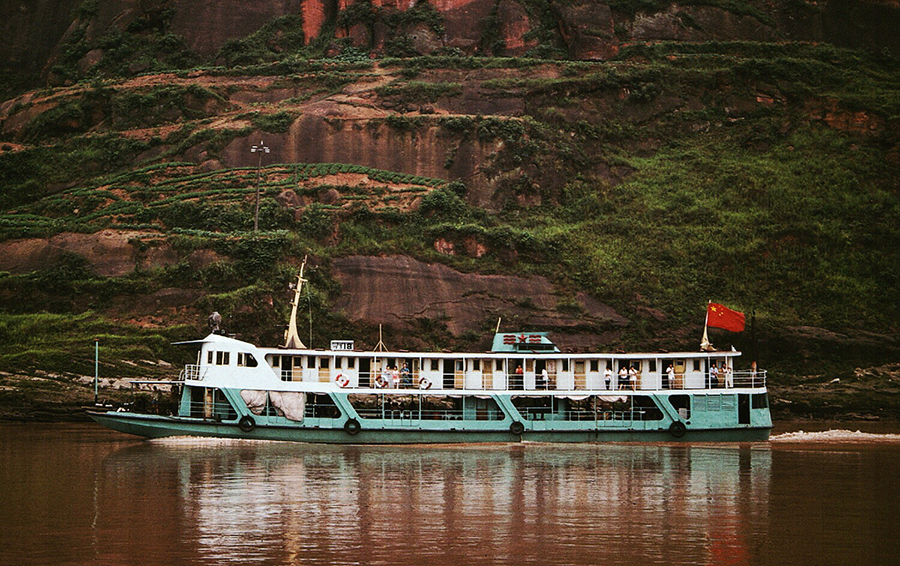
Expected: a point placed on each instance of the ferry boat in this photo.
(524, 389)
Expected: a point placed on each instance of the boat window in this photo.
(646, 409)
(498, 365)
(476, 365)
(565, 365)
(595, 365)
(209, 357)
(245, 359)
(223, 358)
(760, 400)
(321, 406)
(682, 405)
(324, 363)
(652, 365)
(351, 363)
(211, 404)
(696, 365)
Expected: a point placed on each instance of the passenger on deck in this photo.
(729, 376)
(713, 375)
(519, 380)
(633, 377)
(395, 378)
(607, 376)
(406, 375)
(670, 377)
(545, 379)
(623, 377)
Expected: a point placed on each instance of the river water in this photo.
(79, 494)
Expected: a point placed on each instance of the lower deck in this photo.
(346, 417)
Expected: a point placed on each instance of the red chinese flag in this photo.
(719, 316)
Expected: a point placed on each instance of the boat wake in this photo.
(208, 442)
(835, 436)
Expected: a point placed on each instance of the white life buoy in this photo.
(341, 380)
(424, 383)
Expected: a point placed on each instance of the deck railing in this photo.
(740, 379)
(193, 372)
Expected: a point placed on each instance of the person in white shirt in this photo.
(713, 375)
(729, 376)
(623, 377)
(607, 376)
(633, 377)
(670, 377)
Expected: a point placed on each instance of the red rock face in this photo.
(588, 29)
(514, 24)
(208, 25)
(397, 290)
(314, 17)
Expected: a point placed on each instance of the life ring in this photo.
(341, 380)
(517, 428)
(677, 429)
(380, 382)
(352, 427)
(424, 383)
(246, 423)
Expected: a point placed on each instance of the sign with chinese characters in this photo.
(342, 345)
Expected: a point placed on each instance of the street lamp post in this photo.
(260, 149)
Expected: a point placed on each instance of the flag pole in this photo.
(705, 346)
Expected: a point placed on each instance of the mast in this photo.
(291, 337)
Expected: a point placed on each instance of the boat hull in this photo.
(153, 426)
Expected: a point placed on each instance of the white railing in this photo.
(697, 382)
(193, 372)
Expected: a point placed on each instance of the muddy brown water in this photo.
(78, 494)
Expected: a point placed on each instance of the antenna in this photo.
(498, 325)
(291, 338)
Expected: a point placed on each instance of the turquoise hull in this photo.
(380, 432)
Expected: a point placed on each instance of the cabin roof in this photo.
(523, 342)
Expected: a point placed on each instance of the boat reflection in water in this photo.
(527, 503)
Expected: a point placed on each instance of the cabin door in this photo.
(580, 379)
(743, 408)
(365, 366)
(679, 367)
(449, 373)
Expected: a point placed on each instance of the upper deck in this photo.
(517, 371)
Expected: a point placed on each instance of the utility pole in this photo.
(96, 367)
(260, 149)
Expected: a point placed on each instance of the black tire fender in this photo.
(517, 428)
(677, 429)
(246, 423)
(352, 427)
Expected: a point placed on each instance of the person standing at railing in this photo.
(713, 376)
(545, 379)
(623, 377)
(607, 376)
(670, 377)
(729, 376)
(633, 377)
(406, 375)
